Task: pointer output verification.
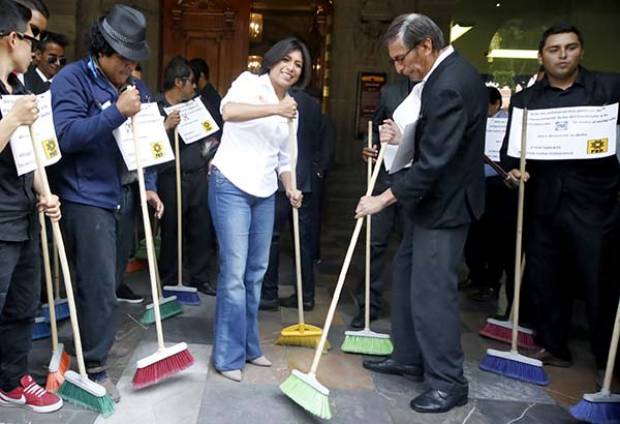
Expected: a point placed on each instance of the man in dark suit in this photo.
(50, 57)
(442, 191)
(313, 158)
(572, 206)
(387, 220)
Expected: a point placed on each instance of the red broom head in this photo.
(65, 363)
(161, 365)
(54, 381)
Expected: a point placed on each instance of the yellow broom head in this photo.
(302, 335)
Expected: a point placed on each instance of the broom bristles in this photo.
(307, 392)
(598, 408)
(161, 365)
(41, 329)
(502, 333)
(302, 341)
(185, 295)
(514, 365)
(367, 342)
(59, 364)
(86, 394)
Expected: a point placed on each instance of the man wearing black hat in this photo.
(90, 100)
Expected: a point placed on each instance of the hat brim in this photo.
(135, 52)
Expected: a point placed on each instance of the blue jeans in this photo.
(243, 224)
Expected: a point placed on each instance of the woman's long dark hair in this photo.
(283, 47)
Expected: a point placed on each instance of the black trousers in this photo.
(425, 305)
(125, 223)
(196, 228)
(307, 224)
(578, 240)
(19, 300)
(91, 240)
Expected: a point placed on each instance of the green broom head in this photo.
(302, 335)
(601, 407)
(307, 392)
(82, 392)
(367, 342)
(168, 307)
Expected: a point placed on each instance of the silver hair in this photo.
(412, 28)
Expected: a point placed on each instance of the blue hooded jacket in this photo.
(85, 114)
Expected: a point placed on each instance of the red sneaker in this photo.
(30, 394)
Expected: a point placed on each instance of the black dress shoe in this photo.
(269, 305)
(390, 366)
(434, 401)
(358, 320)
(206, 288)
(291, 302)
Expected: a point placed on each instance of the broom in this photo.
(77, 388)
(168, 306)
(166, 361)
(604, 406)
(185, 295)
(512, 364)
(367, 342)
(300, 334)
(41, 328)
(60, 361)
(61, 305)
(501, 330)
(305, 389)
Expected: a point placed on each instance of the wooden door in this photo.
(215, 30)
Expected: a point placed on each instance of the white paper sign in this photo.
(496, 130)
(406, 149)
(43, 131)
(152, 138)
(196, 121)
(582, 132)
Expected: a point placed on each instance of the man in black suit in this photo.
(209, 95)
(50, 57)
(313, 159)
(572, 206)
(442, 192)
(387, 220)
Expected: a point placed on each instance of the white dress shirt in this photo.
(252, 151)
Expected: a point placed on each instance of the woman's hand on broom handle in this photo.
(50, 205)
(370, 205)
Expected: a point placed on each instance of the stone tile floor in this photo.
(200, 395)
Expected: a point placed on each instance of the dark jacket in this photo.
(85, 114)
(445, 185)
(34, 83)
(591, 183)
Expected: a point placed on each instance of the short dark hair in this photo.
(199, 66)
(49, 38)
(278, 51)
(559, 28)
(14, 17)
(494, 96)
(178, 67)
(37, 5)
(96, 43)
(413, 28)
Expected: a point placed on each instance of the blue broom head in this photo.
(41, 329)
(62, 310)
(516, 366)
(598, 408)
(185, 295)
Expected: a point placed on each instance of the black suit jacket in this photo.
(314, 145)
(590, 184)
(392, 95)
(34, 83)
(445, 185)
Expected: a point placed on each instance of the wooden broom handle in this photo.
(56, 272)
(64, 263)
(48, 280)
(519, 237)
(177, 162)
(292, 147)
(343, 271)
(611, 358)
(368, 237)
(150, 250)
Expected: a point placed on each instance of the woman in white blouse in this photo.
(252, 154)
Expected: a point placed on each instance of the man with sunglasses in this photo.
(19, 231)
(49, 55)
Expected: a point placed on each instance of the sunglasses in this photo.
(31, 40)
(61, 60)
(36, 32)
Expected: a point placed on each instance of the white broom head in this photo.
(508, 325)
(602, 397)
(312, 381)
(56, 357)
(162, 300)
(367, 333)
(161, 355)
(514, 356)
(181, 289)
(85, 384)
